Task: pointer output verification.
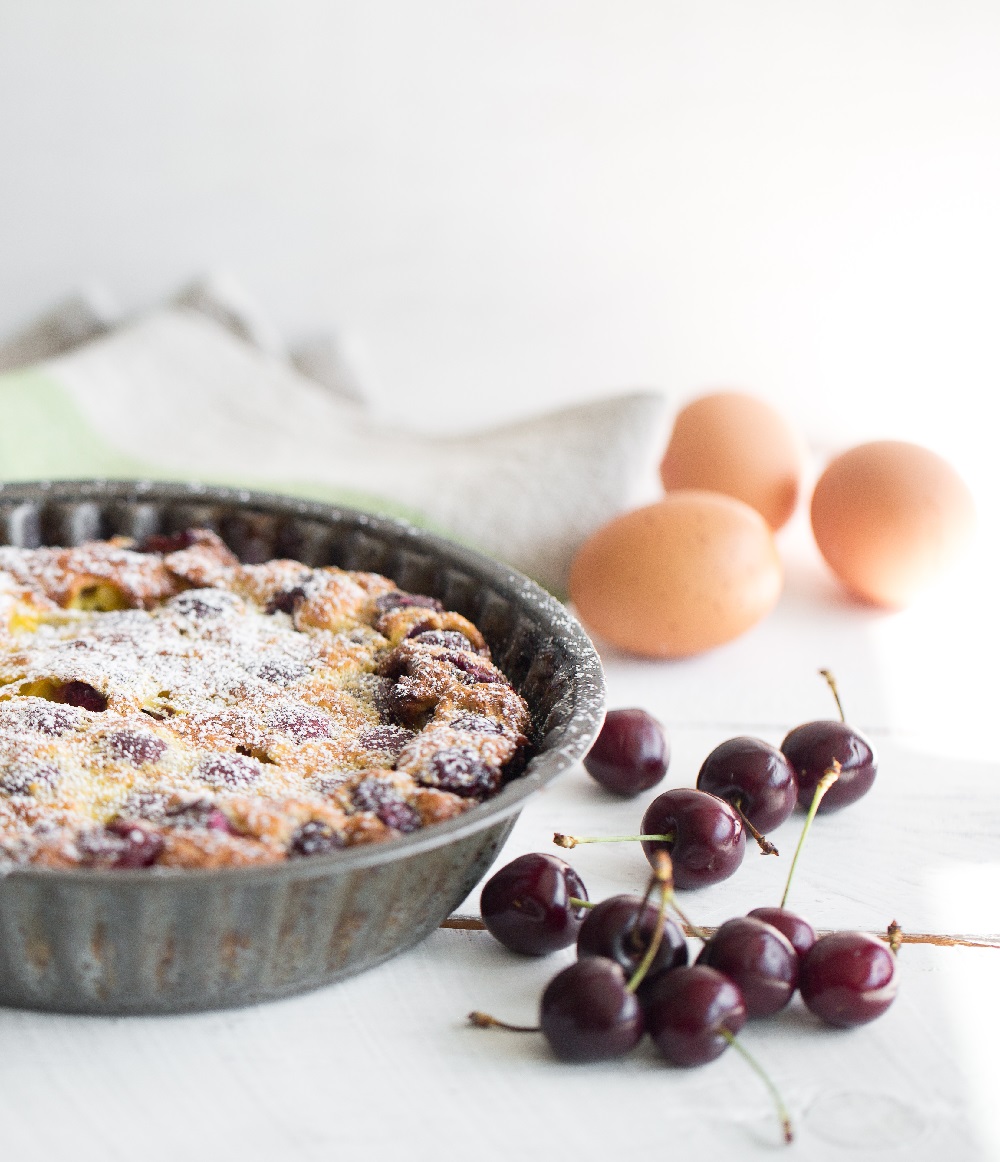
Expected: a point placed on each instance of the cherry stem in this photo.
(634, 936)
(561, 840)
(780, 1108)
(894, 934)
(765, 845)
(576, 902)
(831, 682)
(826, 782)
(485, 1021)
(663, 875)
(692, 929)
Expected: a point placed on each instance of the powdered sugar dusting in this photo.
(233, 711)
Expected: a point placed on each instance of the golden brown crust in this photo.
(177, 708)
(211, 849)
(61, 575)
(437, 806)
(400, 624)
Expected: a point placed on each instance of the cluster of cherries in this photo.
(745, 785)
(632, 974)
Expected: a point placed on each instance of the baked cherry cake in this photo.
(163, 704)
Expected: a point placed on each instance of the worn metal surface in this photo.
(169, 941)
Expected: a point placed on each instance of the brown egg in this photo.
(889, 517)
(733, 443)
(677, 577)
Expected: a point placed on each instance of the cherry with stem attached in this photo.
(703, 835)
(812, 747)
(783, 1115)
(693, 1014)
(571, 841)
(849, 978)
(484, 1021)
(828, 779)
(534, 904)
(589, 1012)
(757, 780)
(765, 845)
(757, 957)
(621, 928)
(799, 932)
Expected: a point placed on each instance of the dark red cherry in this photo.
(398, 599)
(80, 694)
(471, 669)
(387, 803)
(314, 838)
(588, 1014)
(230, 770)
(200, 813)
(459, 769)
(280, 671)
(811, 749)
(754, 777)
(390, 738)
(136, 748)
(686, 1009)
(204, 604)
(450, 639)
(799, 933)
(138, 845)
(610, 930)
(848, 978)
(168, 542)
(759, 959)
(23, 774)
(34, 714)
(631, 753)
(286, 600)
(298, 723)
(708, 836)
(526, 904)
(476, 724)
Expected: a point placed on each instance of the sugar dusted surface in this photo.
(211, 713)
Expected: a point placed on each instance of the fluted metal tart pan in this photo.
(169, 941)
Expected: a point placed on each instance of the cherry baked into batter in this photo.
(164, 704)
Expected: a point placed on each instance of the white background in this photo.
(506, 206)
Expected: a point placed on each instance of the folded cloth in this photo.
(178, 395)
(90, 312)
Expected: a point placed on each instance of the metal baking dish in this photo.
(169, 941)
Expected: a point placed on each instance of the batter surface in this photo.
(165, 705)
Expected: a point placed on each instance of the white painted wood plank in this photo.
(384, 1066)
(862, 867)
(383, 1060)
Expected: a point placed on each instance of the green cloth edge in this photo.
(45, 436)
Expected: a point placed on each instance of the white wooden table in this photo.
(385, 1065)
